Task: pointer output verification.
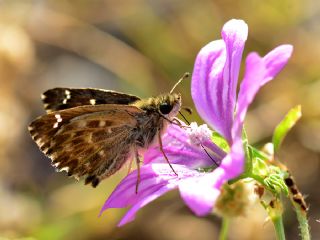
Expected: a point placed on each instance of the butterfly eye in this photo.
(165, 108)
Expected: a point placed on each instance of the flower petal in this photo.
(156, 179)
(233, 163)
(259, 71)
(207, 84)
(215, 77)
(254, 75)
(234, 34)
(200, 193)
(275, 60)
(130, 215)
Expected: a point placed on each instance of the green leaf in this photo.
(285, 125)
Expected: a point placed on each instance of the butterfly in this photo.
(92, 133)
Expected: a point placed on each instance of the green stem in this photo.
(248, 153)
(303, 223)
(300, 207)
(248, 175)
(278, 225)
(224, 229)
(257, 178)
(275, 211)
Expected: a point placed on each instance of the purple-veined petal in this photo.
(181, 147)
(254, 75)
(215, 77)
(200, 193)
(156, 180)
(207, 84)
(130, 215)
(275, 60)
(259, 71)
(234, 34)
(124, 195)
(233, 163)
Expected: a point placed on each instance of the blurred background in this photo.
(142, 47)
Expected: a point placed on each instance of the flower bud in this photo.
(236, 199)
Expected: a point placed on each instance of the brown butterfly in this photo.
(93, 132)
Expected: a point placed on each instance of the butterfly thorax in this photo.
(160, 110)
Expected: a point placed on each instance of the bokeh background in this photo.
(142, 47)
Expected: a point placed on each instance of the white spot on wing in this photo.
(68, 94)
(43, 96)
(102, 123)
(64, 101)
(58, 117)
(92, 101)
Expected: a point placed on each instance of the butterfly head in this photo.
(170, 104)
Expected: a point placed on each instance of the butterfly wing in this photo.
(64, 98)
(92, 141)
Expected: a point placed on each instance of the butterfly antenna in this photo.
(185, 75)
(184, 118)
(211, 158)
(187, 109)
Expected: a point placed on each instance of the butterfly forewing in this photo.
(64, 98)
(87, 140)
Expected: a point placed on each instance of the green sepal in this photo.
(259, 161)
(275, 182)
(220, 142)
(257, 153)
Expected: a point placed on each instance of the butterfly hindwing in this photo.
(92, 141)
(64, 98)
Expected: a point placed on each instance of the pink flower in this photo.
(214, 83)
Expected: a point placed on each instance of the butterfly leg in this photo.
(175, 121)
(170, 121)
(178, 123)
(138, 170)
(164, 154)
(130, 166)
